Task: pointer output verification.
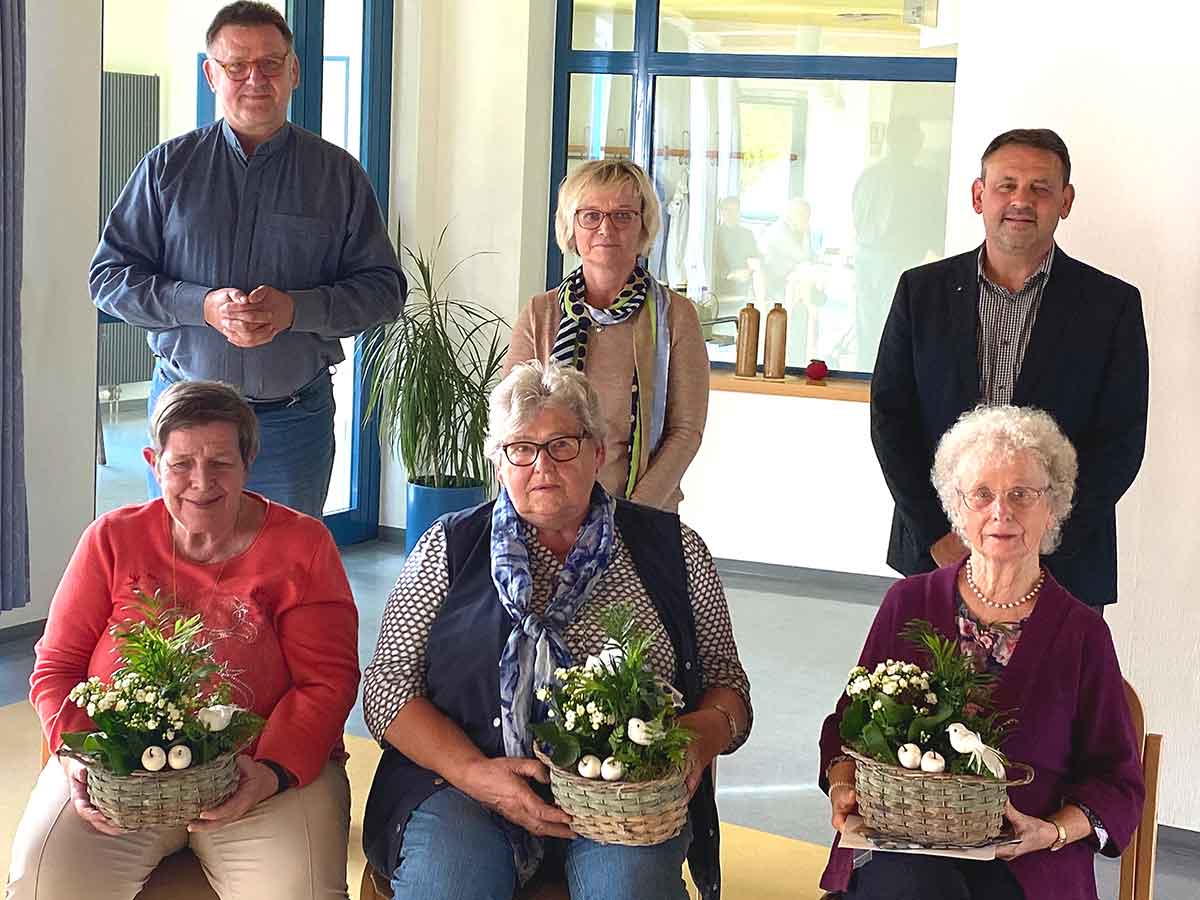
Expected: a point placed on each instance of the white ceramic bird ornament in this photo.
(643, 733)
(964, 740)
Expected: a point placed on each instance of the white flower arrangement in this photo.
(168, 703)
(611, 718)
(899, 713)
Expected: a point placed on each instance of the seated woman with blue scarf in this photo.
(488, 604)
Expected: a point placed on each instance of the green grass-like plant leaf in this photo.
(429, 374)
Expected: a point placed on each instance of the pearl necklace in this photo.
(992, 603)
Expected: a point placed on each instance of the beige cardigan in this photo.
(609, 367)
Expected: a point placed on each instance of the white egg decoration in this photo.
(933, 762)
(910, 756)
(612, 769)
(638, 732)
(153, 759)
(179, 756)
(589, 766)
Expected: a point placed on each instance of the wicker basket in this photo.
(170, 797)
(942, 809)
(633, 813)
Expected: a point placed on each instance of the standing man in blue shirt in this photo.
(248, 249)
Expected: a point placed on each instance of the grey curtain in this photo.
(14, 521)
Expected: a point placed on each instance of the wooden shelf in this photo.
(849, 389)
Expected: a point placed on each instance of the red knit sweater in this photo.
(281, 616)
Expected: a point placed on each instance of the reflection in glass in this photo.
(812, 194)
(152, 52)
(602, 25)
(341, 120)
(597, 126)
(833, 28)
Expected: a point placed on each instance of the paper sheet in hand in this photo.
(853, 839)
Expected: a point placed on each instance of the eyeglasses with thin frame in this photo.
(239, 70)
(1019, 497)
(620, 218)
(563, 448)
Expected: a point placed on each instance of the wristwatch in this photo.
(1061, 840)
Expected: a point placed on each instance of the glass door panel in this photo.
(341, 120)
(812, 194)
(597, 126)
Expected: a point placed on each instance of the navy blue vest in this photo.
(463, 682)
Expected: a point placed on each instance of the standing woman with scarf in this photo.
(489, 603)
(638, 342)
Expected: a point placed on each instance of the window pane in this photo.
(152, 55)
(341, 121)
(821, 27)
(597, 125)
(602, 25)
(812, 194)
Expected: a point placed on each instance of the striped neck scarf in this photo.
(570, 344)
(648, 392)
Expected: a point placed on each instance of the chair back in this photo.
(1137, 862)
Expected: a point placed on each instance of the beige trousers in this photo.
(290, 847)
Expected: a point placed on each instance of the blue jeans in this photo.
(454, 849)
(295, 456)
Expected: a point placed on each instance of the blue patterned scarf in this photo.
(535, 647)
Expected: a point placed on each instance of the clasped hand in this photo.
(249, 320)
(500, 785)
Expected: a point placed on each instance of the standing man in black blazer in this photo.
(1015, 321)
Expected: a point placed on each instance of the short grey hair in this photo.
(186, 404)
(534, 386)
(599, 175)
(999, 433)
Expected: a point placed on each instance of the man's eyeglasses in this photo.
(591, 218)
(561, 449)
(239, 70)
(981, 498)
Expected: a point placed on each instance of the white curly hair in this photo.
(998, 433)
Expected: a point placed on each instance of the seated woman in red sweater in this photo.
(278, 608)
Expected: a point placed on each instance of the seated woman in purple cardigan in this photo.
(1006, 477)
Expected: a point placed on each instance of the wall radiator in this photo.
(128, 130)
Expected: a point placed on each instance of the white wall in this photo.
(471, 139)
(58, 338)
(1116, 86)
(789, 481)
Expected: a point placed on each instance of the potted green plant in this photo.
(428, 376)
